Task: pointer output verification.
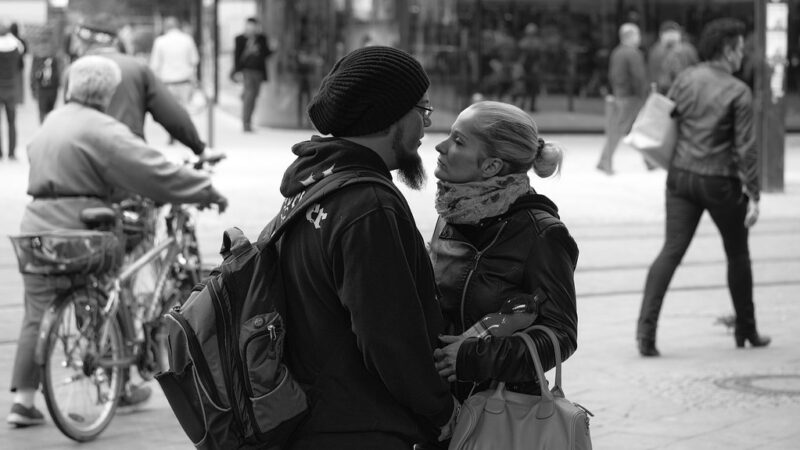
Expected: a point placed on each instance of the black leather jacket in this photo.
(714, 111)
(478, 267)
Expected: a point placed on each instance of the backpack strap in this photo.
(294, 207)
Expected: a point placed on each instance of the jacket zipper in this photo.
(475, 262)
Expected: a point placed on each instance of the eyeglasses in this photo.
(88, 34)
(426, 111)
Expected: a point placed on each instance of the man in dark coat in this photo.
(363, 319)
(140, 91)
(250, 66)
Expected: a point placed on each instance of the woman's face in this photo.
(462, 157)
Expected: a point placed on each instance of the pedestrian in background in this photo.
(14, 28)
(669, 56)
(45, 76)
(628, 78)
(64, 179)
(140, 91)
(360, 334)
(11, 50)
(714, 169)
(250, 55)
(174, 60)
(485, 201)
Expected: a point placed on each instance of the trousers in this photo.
(40, 292)
(623, 113)
(688, 196)
(8, 100)
(252, 86)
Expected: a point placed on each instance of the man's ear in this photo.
(490, 167)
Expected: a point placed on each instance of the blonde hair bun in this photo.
(549, 160)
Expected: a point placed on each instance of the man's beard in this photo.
(409, 163)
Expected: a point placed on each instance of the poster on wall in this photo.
(776, 46)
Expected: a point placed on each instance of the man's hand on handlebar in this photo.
(215, 198)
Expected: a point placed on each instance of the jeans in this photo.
(252, 86)
(46, 99)
(623, 113)
(8, 99)
(688, 195)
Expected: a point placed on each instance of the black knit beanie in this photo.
(366, 91)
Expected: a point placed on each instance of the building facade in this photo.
(549, 57)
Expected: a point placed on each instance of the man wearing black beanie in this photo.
(362, 320)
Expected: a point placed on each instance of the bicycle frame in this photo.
(178, 221)
(172, 245)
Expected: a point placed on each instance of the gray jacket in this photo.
(82, 158)
(714, 111)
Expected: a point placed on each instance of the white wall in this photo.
(24, 11)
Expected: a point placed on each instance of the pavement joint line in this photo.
(709, 287)
(715, 263)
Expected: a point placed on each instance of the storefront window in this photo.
(549, 57)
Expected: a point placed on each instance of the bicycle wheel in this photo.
(80, 387)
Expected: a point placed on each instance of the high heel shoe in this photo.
(754, 338)
(647, 347)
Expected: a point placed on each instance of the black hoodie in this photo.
(362, 318)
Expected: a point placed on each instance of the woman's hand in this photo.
(752, 214)
(445, 358)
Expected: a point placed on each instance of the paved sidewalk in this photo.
(702, 393)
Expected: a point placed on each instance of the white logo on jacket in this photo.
(320, 215)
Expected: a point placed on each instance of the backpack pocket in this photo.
(275, 410)
(208, 425)
(261, 342)
(275, 397)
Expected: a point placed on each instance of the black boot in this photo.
(753, 337)
(647, 347)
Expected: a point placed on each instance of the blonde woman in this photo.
(496, 238)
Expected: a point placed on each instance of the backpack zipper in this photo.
(228, 357)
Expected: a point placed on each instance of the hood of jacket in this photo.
(534, 201)
(322, 156)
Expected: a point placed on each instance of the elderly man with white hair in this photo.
(627, 75)
(82, 158)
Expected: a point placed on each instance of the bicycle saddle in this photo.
(100, 215)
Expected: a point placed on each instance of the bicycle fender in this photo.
(50, 315)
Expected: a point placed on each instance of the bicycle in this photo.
(93, 333)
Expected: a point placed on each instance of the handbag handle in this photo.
(556, 347)
(548, 402)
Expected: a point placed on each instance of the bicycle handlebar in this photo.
(207, 157)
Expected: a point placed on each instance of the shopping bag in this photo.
(654, 132)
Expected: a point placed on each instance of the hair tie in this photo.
(541, 143)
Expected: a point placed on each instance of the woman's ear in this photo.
(490, 167)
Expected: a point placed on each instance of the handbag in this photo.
(655, 132)
(497, 419)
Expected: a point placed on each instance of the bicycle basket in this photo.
(67, 252)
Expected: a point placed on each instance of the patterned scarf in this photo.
(469, 203)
